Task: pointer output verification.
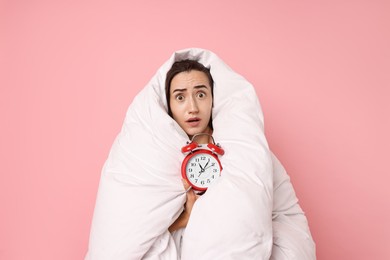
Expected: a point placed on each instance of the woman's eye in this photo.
(179, 97)
(201, 95)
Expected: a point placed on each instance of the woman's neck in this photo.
(204, 139)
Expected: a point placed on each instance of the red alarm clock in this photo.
(201, 167)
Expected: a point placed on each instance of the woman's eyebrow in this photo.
(184, 89)
(179, 90)
(200, 86)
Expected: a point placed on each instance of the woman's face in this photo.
(191, 101)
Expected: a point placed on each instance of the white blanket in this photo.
(250, 213)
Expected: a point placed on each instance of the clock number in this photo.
(202, 182)
(192, 176)
(208, 180)
(193, 164)
(196, 180)
(203, 158)
(215, 170)
(196, 159)
(189, 170)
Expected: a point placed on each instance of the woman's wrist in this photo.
(180, 222)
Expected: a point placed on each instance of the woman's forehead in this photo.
(189, 79)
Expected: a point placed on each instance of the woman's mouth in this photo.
(193, 122)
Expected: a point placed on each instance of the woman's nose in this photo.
(193, 106)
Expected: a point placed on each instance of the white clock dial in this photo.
(202, 170)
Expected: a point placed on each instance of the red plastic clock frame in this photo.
(188, 157)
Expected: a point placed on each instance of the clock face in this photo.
(202, 168)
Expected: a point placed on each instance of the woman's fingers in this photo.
(185, 184)
(188, 188)
(191, 196)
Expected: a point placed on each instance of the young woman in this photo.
(189, 92)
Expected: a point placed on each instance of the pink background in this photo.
(70, 69)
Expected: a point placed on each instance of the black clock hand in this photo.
(207, 167)
(202, 169)
(206, 164)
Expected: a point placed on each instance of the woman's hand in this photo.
(182, 220)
